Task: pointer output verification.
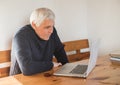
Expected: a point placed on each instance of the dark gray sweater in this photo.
(31, 55)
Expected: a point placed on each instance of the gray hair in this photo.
(41, 14)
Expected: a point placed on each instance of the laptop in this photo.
(78, 69)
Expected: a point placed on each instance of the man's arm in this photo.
(59, 53)
(23, 55)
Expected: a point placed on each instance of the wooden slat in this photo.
(4, 63)
(4, 56)
(78, 57)
(4, 71)
(76, 45)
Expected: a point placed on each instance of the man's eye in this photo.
(47, 27)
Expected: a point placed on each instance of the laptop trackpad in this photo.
(79, 69)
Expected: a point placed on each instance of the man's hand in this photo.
(56, 64)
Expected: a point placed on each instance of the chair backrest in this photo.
(74, 50)
(4, 63)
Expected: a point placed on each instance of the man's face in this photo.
(45, 29)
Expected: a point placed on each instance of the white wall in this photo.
(103, 21)
(75, 19)
(71, 19)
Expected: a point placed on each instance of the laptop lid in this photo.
(94, 45)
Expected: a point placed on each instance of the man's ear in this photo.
(33, 25)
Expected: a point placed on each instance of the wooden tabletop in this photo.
(104, 73)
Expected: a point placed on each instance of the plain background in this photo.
(75, 19)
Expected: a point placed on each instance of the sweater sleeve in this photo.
(59, 53)
(23, 55)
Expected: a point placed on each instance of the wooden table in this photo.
(104, 73)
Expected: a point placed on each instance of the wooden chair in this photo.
(73, 50)
(4, 63)
(76, 46)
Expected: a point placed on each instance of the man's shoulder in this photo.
(24, 30)
(26, 27)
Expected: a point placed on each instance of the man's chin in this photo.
(46, 39)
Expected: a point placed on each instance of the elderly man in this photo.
(34, 45)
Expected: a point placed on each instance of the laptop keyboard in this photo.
(79, 69)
